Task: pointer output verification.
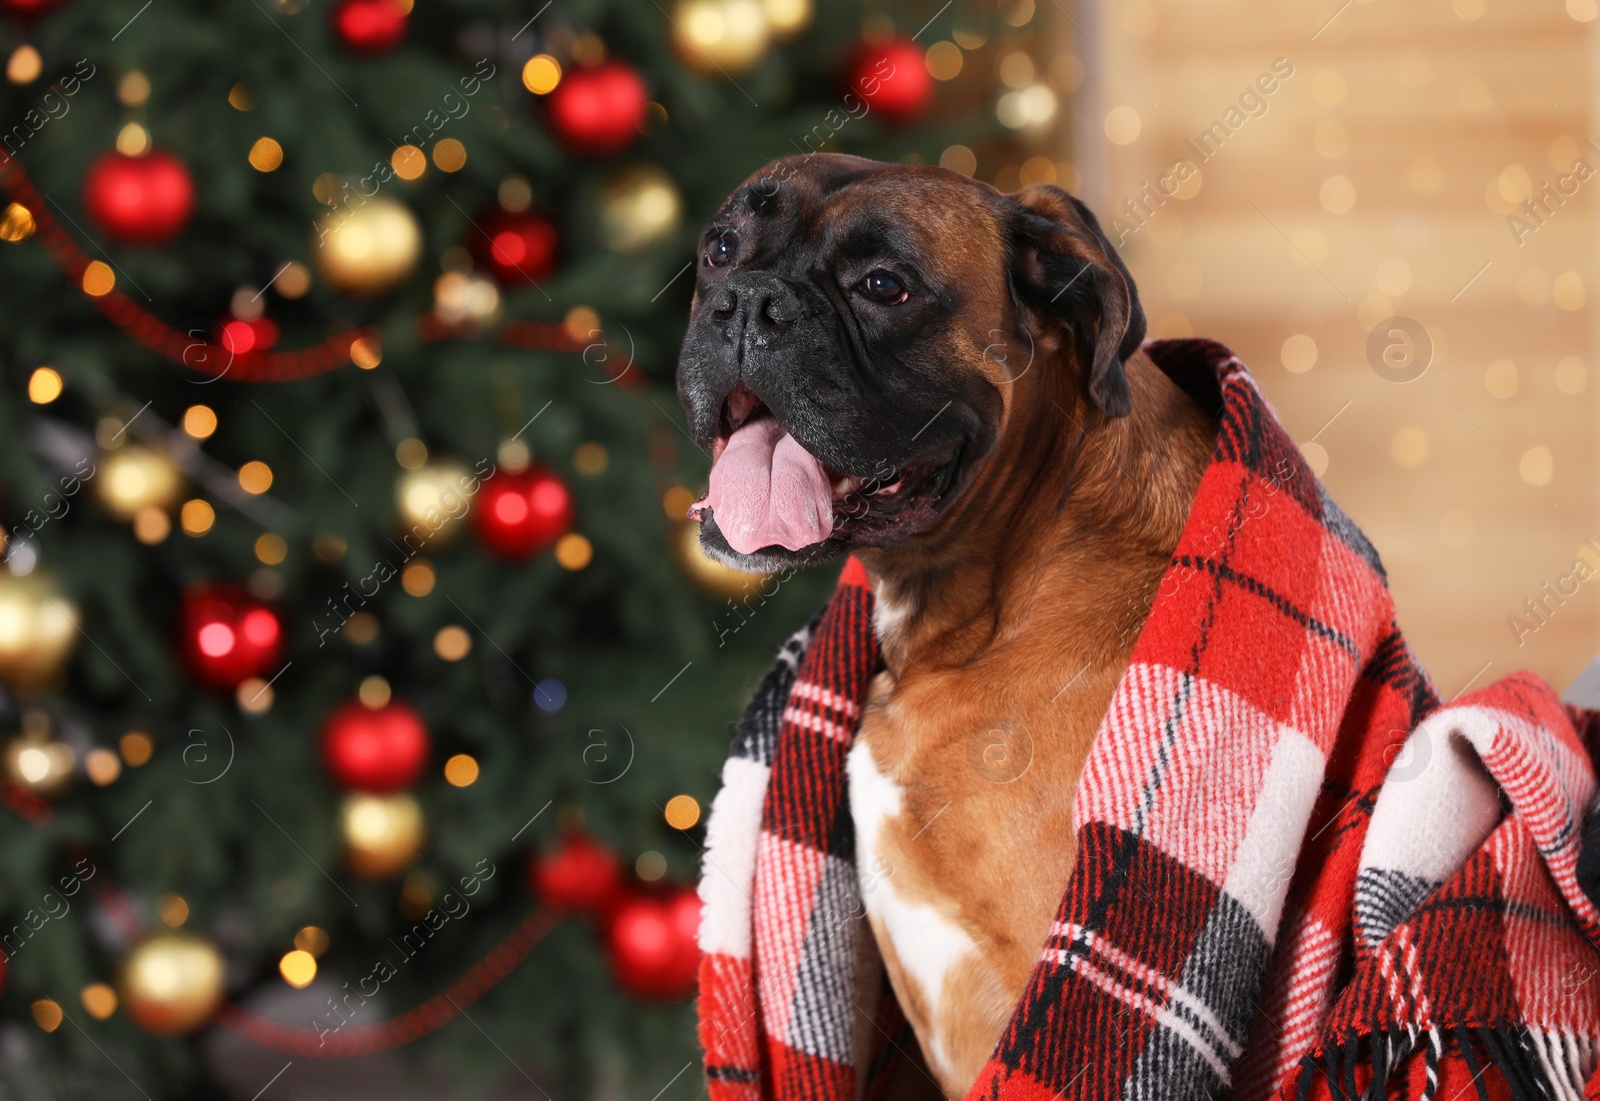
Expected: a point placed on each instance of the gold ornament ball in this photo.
(721, 36)
(367, 248)
(40, 764)
(432, 499)
(172, 983)
(38, 629)
(639, 207)
(382, 834)
(134, 477)
(709, 574)
(787, 17)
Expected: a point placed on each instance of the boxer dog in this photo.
(901, 363)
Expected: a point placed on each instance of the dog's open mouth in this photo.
(768, 491)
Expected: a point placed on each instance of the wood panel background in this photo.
(1377, 182)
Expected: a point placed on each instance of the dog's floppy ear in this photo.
(1064, 267)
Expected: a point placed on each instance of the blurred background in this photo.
(1399, 241)
(361, 685)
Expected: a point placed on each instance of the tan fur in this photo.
(1017, 614)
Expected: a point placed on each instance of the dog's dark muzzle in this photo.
(757, 307)
(780, 339)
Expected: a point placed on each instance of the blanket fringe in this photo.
(1535, 1066)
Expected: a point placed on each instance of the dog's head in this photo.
(862, 337)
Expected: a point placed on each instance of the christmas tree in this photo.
(361, 682)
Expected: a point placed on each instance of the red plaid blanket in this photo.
(1298, 874)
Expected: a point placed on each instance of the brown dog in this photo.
(902, 363)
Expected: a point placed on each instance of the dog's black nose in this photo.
(759, 300)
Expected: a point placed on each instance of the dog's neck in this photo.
(1082, 507)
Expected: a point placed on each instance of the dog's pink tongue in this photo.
(768, 490)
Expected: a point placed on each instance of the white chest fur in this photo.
(926, 944)
(888, 614)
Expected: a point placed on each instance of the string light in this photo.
(461, 770)
(102, 766)
(328, 548)
(452, 643)
(573, 551)
(450, 155)
(514, 194)
(590, 458)
(151, 524)
(46, 1014)
(682, 812)
(271, 549)
(409, 1026)
(366, 353)
(44, 385)
(136, 748)
(174, 910)
(197, 516)
(362, 628)
(298, 968)
(133, 89)
(676, 501)
(255, 477)
(98, 279)
(199, 422)
(24, 65)
(411, 453)
(417, 579)
(374, 692)
(266, 155)
(16, 223)
(541, 74)
(254, 696)
(408, 162)
(133, 139)
(27, 214)
(293, 280)
(99, 1000)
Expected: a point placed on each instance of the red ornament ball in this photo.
(654, 944)
(143, 200)
(520, 514)
(374, 749)
(517, 248)
(228, 636)
(893, 78)
(597, 111)
(27, 9)
(370, 26)
(579, 876)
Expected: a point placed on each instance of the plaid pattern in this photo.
(1298, 875)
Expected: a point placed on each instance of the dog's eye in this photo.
(880, 286)
(720, 251)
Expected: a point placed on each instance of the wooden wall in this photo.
(1377, 181)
